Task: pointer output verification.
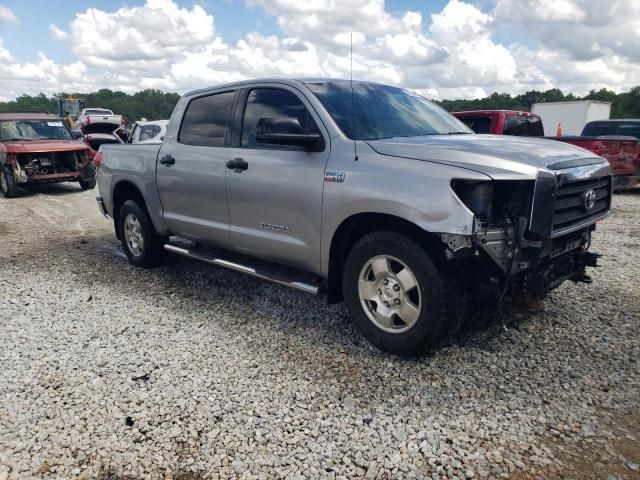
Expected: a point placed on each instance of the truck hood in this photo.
(498, 156)
(40, 146)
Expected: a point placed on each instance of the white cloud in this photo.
(7, 15)
(585, 29)
(451, 54)
(57, 33)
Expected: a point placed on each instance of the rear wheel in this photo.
(395, 294)
(7, 182)
(142, 245)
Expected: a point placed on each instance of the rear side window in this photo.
(477, 124)
(596, 129)
(266, 103)
(206, 120)
(629, 130)
(147, 132)
(523, 125)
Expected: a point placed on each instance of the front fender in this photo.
(415, 191)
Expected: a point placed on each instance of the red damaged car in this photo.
(40, 148)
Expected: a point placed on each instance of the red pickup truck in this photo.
(503, 122)
(616, 140)
(37, 148)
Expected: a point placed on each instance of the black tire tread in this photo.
(434, 323)
(89, 177)
(12, 189)
(153, 253)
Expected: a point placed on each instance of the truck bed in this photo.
(623, 153)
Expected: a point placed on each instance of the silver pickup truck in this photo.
(364, 192)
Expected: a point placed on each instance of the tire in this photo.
(7, 183)
(142, 245)
(415, 317)
(89, 177)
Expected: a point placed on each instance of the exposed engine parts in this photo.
(39, 164)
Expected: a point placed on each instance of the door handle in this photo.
(167, 160)
(237, 165)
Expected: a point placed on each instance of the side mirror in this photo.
(286, 131)
(77, 134)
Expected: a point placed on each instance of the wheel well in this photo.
(122, 192)
(357, 226)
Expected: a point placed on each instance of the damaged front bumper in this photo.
(490, 261)
(570, 266)
(45, 167)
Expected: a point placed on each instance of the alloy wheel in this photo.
(133, 235)
(389, 294)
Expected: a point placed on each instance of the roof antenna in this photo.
(353, 112)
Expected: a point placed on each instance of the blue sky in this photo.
(442, 48)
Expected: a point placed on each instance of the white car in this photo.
(98, 120)
(148, 132)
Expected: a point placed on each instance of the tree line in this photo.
(150, 104)
(623, 105)
(156, 105)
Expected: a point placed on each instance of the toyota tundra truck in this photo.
(363, 192)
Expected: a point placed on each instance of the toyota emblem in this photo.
(589, 199)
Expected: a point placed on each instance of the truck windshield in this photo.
(381, 111)
(26, 130)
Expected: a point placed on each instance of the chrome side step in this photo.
(264, 275)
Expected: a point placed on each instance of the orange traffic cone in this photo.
(559, 130)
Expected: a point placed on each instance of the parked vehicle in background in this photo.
(502, 122)
(38, 148)
(571, 117)
(368, 192)
(627, 127)
(148, 132)
(619, 142)
(95, 140)
(622, 152)
(98, 120)
(69, 105)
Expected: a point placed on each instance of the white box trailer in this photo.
(572, 116)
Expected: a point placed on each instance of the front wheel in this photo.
(396, 296)
(7, 183)
(89, 180)
(142, 245)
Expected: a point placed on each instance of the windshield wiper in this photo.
(458, 133)
(17, 139)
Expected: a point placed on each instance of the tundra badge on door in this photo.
(334, 177)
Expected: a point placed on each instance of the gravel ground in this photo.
(192, 372)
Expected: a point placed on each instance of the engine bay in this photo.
(40, 164)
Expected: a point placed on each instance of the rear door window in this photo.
(523, 125)
(206, 121)
(629, 130)
(597, 129)
(480, 124)
(146, 133)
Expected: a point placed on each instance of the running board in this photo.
(264, 275)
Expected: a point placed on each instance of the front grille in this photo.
(570, 208)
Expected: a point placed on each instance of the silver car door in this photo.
(191, 170)
(275, 197)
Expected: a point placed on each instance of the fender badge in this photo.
(334, 177)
